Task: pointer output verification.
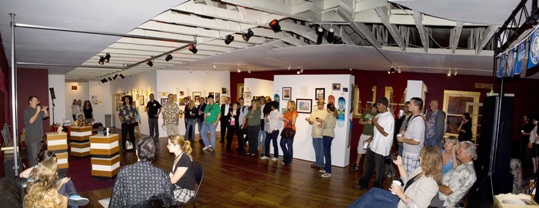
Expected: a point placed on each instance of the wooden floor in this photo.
(233, 180)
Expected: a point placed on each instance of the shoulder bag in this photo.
(288, 132)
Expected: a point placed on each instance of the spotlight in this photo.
(320, 34)
(301, 70)
(229, 39)
(214, 67)
(391, 70)
(289, 66)
(331, 33)
(207, 71)
(104, 80)
(399, 70)
(449, 73)
(169, 57)
(226, 70)
(101, 60)
(190, 70)
(350, 69)
(122, 76)
(110, 79)
(239, 71)
(193, 49)
(337, 40)
(274, 24)
(107, 57)
(115, 76)
(249, 71)
(150, 63)
(298, 72)
(247, 35)
(456, 72)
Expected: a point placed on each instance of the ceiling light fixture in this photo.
(104, 80)
(229, 39)
(274, 24)
(214, 67)
(320, 33)
(110, 79)
(249, 71)
(331, 33)
(301, 70)
(337, 40)
(226, 70)
(150, 63)
(289, 67)
(190, 70)
(391, 70)
(101, 60)
(399, 70)
(449, 73)
(168, 58)
(115, 76)
(298, 72)
(107, 57)
(239, 71)
(122, 76)
(350, 69)
(193, 49)
(456, 72)
(207, 71)
(247, 35)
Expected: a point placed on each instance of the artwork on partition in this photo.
(182, 93)
(217, 97)
(320, 93)
(331, 99)
(277, 99)
(247, 96)
(164, 101)
(304, 105)
(196, 95)
(141, 100)
(287, 93)
(223, 90)
(345, 89)
(341, 110)
(336, 86)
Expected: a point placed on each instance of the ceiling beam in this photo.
(485, 38)
(382, 12)
(418, 19)
(360, 28)
(456, 36)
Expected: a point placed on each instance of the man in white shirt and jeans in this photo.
(413, 136)
(380, 145)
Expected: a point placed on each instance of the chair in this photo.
(199, 177)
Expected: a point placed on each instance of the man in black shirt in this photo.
(153, 108)
(226, 110)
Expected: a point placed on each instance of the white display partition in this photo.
(257, 87)
(303, 87)
(416, 88)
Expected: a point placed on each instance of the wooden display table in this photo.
(105, 155)
(57, 143)
(79, 140)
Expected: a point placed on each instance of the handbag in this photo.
(288, 132)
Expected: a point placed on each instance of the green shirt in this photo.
(368, 129)
(253, 118)
(212, 111)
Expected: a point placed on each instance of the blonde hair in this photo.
(45, 177)
(293, 108)
(453, 140)
(431, 162)
(191, 104)
(185, 146)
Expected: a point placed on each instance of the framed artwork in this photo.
(211, 93)
(287, 93)
(182, 93)
(247, 96)
(304, 105)
(319, 93)
(358, 109)
(141, 100)
(217, 97)
(336, 86)
(196, 95)
(223, 90)
(240, 90)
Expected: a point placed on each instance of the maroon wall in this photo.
(32, 82)
(525, 90)
(4, 95)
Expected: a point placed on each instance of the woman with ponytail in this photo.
(44, 191)
(183, 174)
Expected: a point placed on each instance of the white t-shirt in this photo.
(415, 131)
(382, 144)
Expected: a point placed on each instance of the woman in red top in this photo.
(289, 119)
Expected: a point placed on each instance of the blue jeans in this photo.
(327, 153)
(272, 136)
(376, 198)
(190, 123)
(205, 128)
(318, 145)
(262, 141)
(288, 150)
(432, 142)
(200, 124)
(33, 150)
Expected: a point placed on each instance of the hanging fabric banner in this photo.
(511, 63)
(533, 58)
(522, 57)
(501, 65)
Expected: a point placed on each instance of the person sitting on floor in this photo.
(419, 189)
(44, 189)
(65, 189)
(457, 182)
(183, 174)
(138, 182)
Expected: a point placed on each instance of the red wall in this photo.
(32, 82)
(526, 90)
(4, 95)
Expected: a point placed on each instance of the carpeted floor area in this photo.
(80, 172)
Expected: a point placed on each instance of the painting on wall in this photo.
(287, 93)
(320, 93)
(196, 95)
(223, 90)
(217, 97)
(336, 86)
(304, 105)
(141, 100)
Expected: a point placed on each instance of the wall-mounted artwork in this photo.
(336, 86)
(319, 93)
(287, 93)
(304, 105)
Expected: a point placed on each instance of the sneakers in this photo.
(211, 149)
(206, 147)
(326, 175)
(274, 159)
(322, 171)
(264, 158)
(355, 167)
(77, 200)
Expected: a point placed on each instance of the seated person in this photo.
(65, 189)
(457, 182)
(449, 154)
(44, 191)
(138, 182)
(80, 121)
(419, 187)
(183, 174)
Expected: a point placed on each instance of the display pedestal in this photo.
(105, 155)
(79, 141)
(57, 143)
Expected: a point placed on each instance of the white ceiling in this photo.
(212, 20)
